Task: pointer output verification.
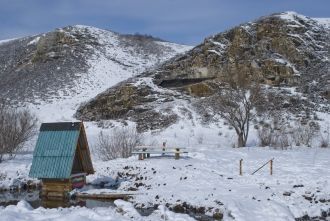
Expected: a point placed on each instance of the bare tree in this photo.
(119, 143)
(16, 128)
(235, 104)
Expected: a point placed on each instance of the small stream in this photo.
(33, 198)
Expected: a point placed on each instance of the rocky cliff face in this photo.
(280, 50)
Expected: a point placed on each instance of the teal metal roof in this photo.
(54, 152)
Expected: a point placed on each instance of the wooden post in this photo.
(140, 156)
(147, 155)
(144, 155)
(164, 144)
(177, 153)
(240, 167)
(271, 167)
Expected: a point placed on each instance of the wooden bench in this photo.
(145, 151)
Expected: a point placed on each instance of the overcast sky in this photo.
(182, 21)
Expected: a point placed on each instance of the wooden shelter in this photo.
(61, 158)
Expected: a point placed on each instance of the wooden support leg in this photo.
(240, 167)
(271, 167)
(140, 156)
(177, 154)
(144, 155)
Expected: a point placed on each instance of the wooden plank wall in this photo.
(56, 188)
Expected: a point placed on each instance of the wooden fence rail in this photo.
(271, 166)
(269, 161)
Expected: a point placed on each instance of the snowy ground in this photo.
(208, 177)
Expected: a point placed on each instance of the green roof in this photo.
(55, 150)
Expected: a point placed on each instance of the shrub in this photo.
(279, 133)
(118, 144)
(200, 138)
(275, 133)
(265, 136)
(303, 134)
(324, 142)
(280, 139)
(16, 128)
(325, 139)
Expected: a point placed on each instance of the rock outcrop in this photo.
(280, 50)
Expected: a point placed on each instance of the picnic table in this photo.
(145, 151)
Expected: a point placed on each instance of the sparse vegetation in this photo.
(303, 134)
(325, 138)
(200, 138)
(16, 128)
(118, 144)
(273, 131)
(277, 132)
(265, 135)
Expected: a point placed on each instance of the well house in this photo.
(61, 158)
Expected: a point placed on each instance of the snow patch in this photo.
(7, 40)
(293, 17)
(323, 21)
(34, 41)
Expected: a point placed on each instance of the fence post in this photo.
(271, 167)
(144, 154)
(164, 145)
(240, 167)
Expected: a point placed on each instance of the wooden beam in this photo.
(104, 196)
(84, 137)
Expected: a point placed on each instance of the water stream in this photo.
(33, 198)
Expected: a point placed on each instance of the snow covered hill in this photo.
(53, 73)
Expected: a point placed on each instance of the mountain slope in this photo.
(280, 50)
(60, 69)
